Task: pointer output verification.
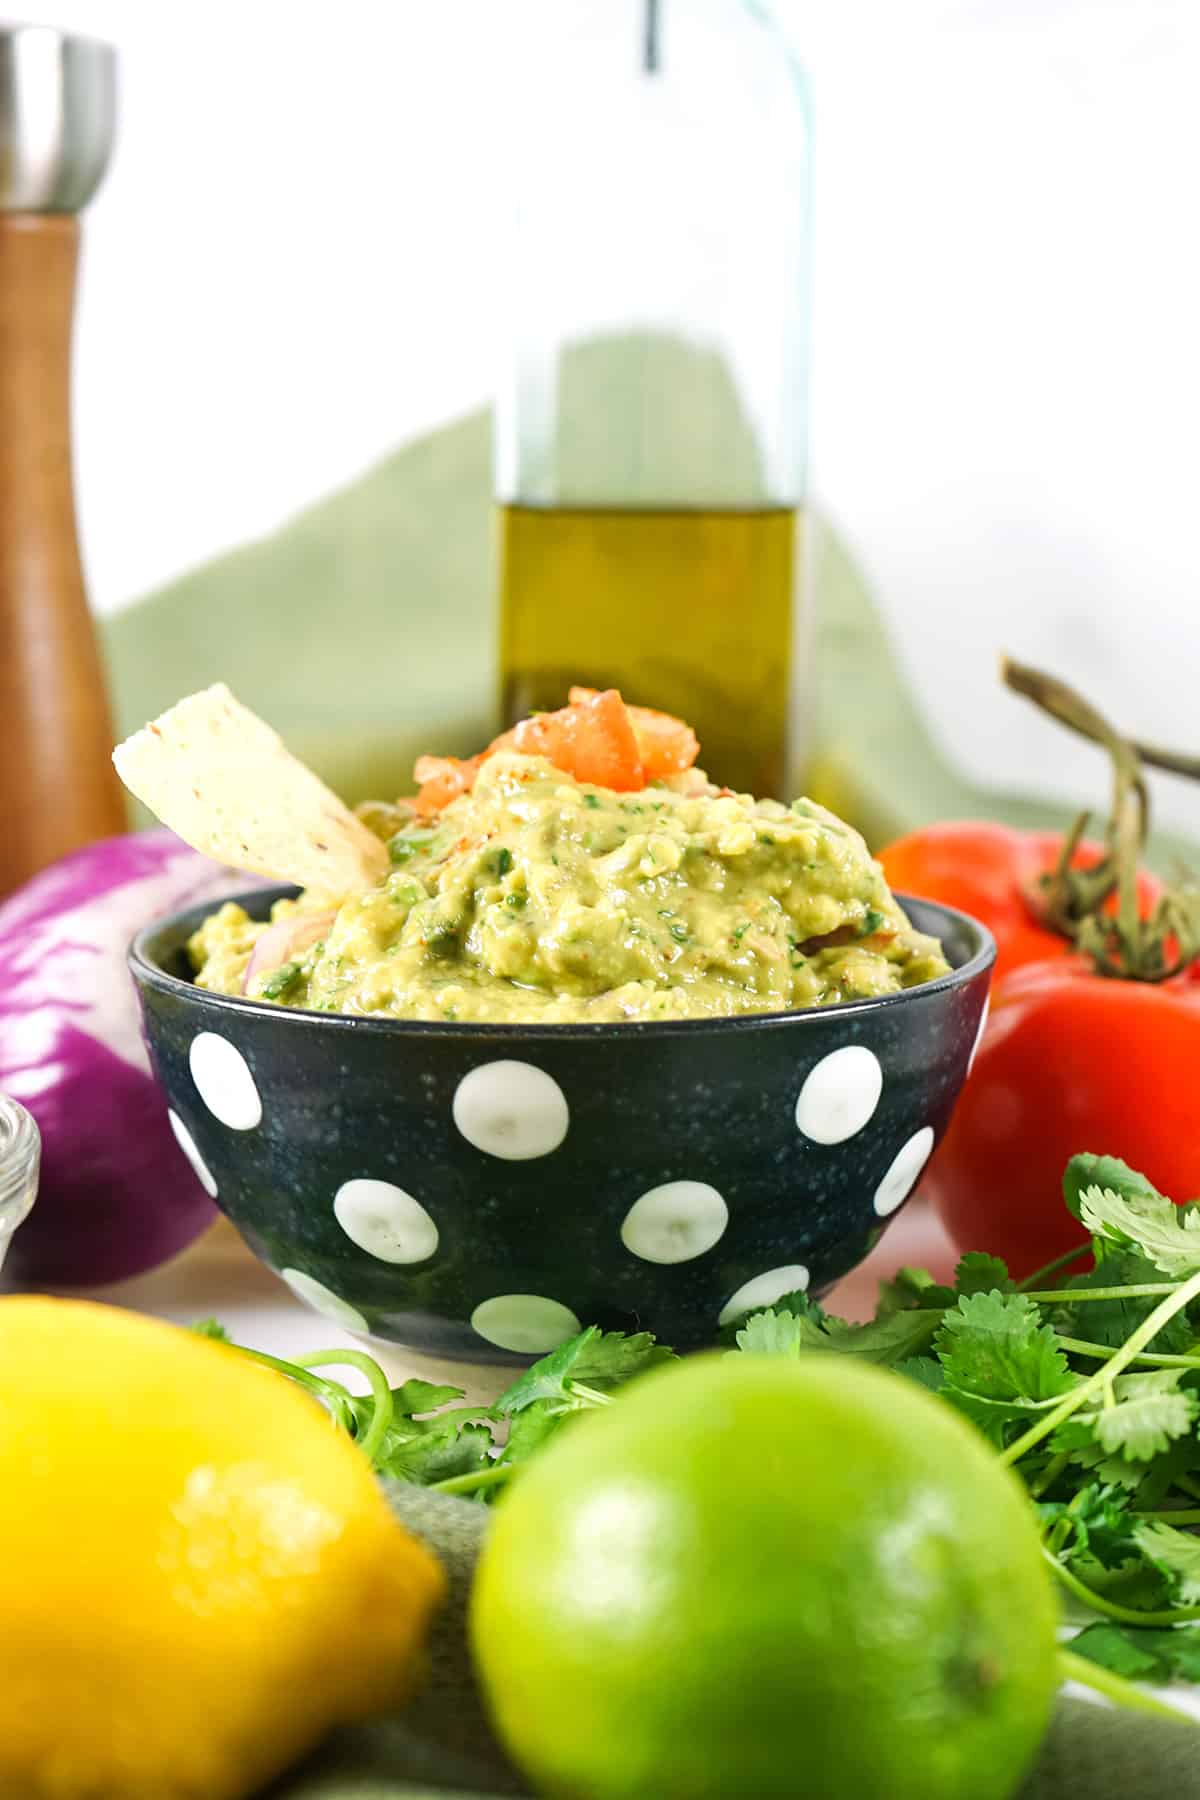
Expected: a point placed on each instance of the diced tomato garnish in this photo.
(442, 779)
(592, 739)
(666, 745)
(597, 739)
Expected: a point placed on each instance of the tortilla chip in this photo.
(227, 785)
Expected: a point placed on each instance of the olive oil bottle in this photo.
(689, 610)
(651, 429)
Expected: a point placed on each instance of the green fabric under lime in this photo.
(364, 631)
(441, 1748)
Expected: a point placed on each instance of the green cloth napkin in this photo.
(441, 1748)
(364, 630)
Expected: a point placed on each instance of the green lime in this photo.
(760, 1577)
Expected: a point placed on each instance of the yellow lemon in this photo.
(198, 1574)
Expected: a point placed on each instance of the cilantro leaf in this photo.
(772, 1333)
(600, 1358)
(211, 1328)
(1101, 1526)
(437, 1453)
(887, 1340)
(1104, 1525)
(422, 1397)
(1113, 1470)
(995, 1346)
(924, 1370)
(531, 1428)
(911, 1287)
(1133, 1582)
(1176, 1553)
(896, 1338)
(424, 1450)
(1001, 1364)
(1113, 1647)
(799, 1304)
(1168, 1237)
(1149, 1410)
(978, 1273)
(1141, 1655)
(1085, 1171)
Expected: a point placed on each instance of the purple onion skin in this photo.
(117, 1196)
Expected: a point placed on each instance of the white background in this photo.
(291, 269)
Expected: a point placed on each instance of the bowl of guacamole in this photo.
(539, 899)
(597, 1041)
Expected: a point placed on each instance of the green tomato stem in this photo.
(1115, 1688)
(1125, 1615)
(1146, 1332)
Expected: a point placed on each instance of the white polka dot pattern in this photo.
(525, 1323)
(511, 1110)
(323, 1300)
(763, 1290)
(224, 1082)
(983, 1019)
(187, 1144)
(839, 1095)
(385, 1221)
(675, 1222)
(904, 1172)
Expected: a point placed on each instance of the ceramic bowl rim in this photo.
(148, 973)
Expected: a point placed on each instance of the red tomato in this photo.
(1070, 1061)
(667, 746)
(989, 871)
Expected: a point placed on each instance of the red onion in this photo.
(116, 1194)
(284, 940)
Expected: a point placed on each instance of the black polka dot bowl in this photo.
(482, 1191)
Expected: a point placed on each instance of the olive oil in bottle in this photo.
(687, 610)
(651, 426)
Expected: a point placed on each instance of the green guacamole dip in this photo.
(536, 897)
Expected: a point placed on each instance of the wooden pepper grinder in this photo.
(58, 788)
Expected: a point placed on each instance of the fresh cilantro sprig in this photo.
(424, 1435)
(1089, 1390)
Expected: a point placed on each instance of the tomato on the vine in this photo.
(1094, 1039)
(992, 871)
(1070, 1061)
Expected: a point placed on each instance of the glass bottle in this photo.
(651, 426)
